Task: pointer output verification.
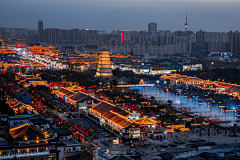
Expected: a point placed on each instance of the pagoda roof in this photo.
(27, 132)
(145, 121)
(104, 49)
(75, 88)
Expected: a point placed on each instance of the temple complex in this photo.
(104, 64)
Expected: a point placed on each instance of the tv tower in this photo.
(186, 24)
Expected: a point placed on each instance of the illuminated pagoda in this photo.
(104, 64)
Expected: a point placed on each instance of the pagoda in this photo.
(104, 64)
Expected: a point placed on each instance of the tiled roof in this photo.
(74, 88)
(14, 102)
(39, 121)
(234, 89)
(120, 111)
(27, 132)
(117, 119)
(66, 92)
(103, 107)
(224, 85)
(79, 97)
(62, 131)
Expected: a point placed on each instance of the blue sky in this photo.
(114, 14)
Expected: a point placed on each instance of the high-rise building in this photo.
(178, 33)
(168, 32)
(161, 33)
(104, 64)
(32, 36)
(52, 35)
(235, 42)
(40, 31)
(88, 36)
(201, 36)
(74, 36)
(152, 29)
(125, 36)
(143, 33)
(188, 33)
(64, 36)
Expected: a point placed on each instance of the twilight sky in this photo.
(121, 14)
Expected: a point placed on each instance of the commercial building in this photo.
(125, 36)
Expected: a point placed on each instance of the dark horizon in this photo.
(108, 15)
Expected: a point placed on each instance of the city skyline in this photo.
(109, 15)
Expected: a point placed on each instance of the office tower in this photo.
(152, 29)
(125, 36)
(201, 36)
(52, 35)
(40, 31)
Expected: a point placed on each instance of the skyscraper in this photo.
(40, 31)
(152, 29)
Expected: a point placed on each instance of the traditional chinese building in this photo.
(104, 65)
